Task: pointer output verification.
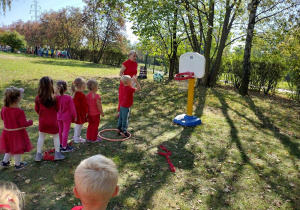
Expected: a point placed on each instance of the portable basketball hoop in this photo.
(191, 66)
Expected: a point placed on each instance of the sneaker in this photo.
(67, 149)
(5, 165)
(97, 140)
(21, 166)
(79, 140)
(119, 130)
(58, 156)
(60, 147)
(38, 157)
(125, 134)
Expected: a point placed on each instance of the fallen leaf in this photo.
(27, 181)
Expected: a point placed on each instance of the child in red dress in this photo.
(95, 109)
(77, 88)
(14, 139)
(46, 105)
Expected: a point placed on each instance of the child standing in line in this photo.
(65, 114)
(126, 103)
(95, 109)
(10, 196)
(46, 105)
(96, 180)
(14, 139)
(77, 88)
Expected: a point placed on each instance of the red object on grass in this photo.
(167, 154)
(47, 156)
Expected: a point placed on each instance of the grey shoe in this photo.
(58, 156)
(38, 157)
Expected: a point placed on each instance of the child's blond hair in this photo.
(126, 80)
(10, 196)
(96, 176)
(91, 84)
(78, 83)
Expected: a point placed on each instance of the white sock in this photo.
(6, 158)
(56, 142)
(40, 142)
(17, 159)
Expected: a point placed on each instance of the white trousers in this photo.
(77, 131)
(41, 140)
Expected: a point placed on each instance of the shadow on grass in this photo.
(274, 179)
(293, 147)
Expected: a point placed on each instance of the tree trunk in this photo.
(216, 66)
(207, 46)
(247, 52)
(174, 45)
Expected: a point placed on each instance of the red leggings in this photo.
(92, 130)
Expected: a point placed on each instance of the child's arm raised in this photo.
(138, 86)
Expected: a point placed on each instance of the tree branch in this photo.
(270, 8)
(276, 13)
(234, 40)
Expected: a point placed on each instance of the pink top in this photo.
(127, 100)
(92, 103)
(67, 109)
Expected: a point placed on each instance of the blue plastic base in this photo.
(186, 120)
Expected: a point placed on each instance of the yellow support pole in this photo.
(189, 111)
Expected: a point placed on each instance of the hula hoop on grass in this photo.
(107, 139)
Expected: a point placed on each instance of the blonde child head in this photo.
(96, 179)
(10, 197)
(92, 84)
(77, 85)
(12, 95)
(126, 80)
(61, 86)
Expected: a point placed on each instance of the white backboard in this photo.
(192, 62)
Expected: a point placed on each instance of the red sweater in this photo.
(47, 117)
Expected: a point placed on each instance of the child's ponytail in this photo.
(11, 96)
(62, 86)
(73, 89)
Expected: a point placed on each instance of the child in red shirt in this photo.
(95, 109)
(77, 88)
(46, 105)
(126, 103)
(14, 139)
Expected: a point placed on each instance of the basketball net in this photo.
(183, 85)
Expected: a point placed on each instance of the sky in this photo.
(20, 10)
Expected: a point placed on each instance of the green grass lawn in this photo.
(245, 155)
